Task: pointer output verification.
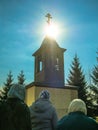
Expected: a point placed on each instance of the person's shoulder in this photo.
(2, 106)
(64, 118)
(92, 119)
(62, 121)
(17, 104)
(22, 104)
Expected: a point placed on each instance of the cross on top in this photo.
(49, 18)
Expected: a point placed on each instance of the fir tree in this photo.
(92, 100)
(93, 92)
(21, 77)
(94, 74)
(7, 85)
(76, 78)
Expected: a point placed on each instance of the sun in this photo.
(52, 30)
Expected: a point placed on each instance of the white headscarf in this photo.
(17, 91)
(77, 105)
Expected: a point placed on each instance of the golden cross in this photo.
(49, 18)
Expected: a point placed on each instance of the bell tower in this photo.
(49, 63)
(49, 75)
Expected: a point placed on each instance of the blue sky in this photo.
(21, 33)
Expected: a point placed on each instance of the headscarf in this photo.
(77, 105)
(17, 91)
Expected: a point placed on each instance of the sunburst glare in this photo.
(52, 30)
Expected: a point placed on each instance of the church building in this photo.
(49, 75)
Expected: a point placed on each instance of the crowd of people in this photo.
(41, 115)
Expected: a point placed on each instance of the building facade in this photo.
(49, 75)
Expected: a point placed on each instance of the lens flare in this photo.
(52, 30)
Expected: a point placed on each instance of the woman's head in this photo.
(77, 105)
(44, 94)
(17, 91)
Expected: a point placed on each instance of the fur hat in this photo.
(77, 105)
(17, 91)
(44, 94)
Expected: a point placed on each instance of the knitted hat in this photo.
(17, 91)
(44, 94)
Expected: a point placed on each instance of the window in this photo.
(40, 65)
(57, 64)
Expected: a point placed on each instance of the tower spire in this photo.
(49, 18)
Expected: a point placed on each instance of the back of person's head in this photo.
(77, 105)
(44, 94)
(17, 91)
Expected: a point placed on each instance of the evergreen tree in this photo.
(7, 85)
(92, 100)
(94, 74)
(21, 77)
(93, 93)
(97, 56)
(76, 78)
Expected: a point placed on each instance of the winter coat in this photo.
(77, 121)
(5, 123)
(19, 115)
(43, 115)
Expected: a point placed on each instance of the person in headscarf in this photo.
(43, 113)
(19, 114)
(77, 118)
